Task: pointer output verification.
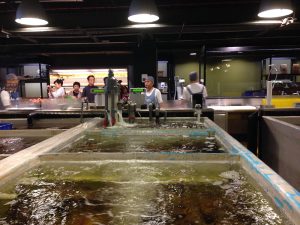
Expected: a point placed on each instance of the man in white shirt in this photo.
(5, 99)
(194, 88)
(9, 91)
(152, 94)
(59, 91)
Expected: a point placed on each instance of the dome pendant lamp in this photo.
(30, 12)
(143, 11)
(275, 8)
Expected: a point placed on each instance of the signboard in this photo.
(137, 90)
(97, 91)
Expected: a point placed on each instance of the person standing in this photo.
(123, 92)
(9, 91)
(76, 93)
(87, 90)
(152, 95)
(59, 91)
(4, 99)
(195, 92)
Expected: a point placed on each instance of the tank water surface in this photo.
(142, 176)
(10, 145)
(135, 193)
(147, 140)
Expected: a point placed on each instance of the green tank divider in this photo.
(137, 90)
(97, 90)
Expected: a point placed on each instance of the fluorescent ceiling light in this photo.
(84, 71)
(143, 11)
(275, 8)
(30, 12)
(37, 29)
(233, 49)
(267, 22)
(147, 25)
(193, 53)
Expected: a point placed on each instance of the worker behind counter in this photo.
(152, 94)
(9, 91)
(86, 93)
(76, 92)
(4, 99)
(195, 92)
(58, 91)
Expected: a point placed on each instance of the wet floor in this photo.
(136, 193)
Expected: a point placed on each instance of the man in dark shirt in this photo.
(87, 90)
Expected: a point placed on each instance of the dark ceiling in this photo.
(101, 27)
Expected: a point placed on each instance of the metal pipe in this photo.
(131, 112)
(150, 111)
(157, 121)
(54, 115)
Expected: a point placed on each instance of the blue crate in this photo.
(6, 126)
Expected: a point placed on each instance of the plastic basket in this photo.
(6, 126)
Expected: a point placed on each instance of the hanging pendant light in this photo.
(143, 11)
(30, 12)
(275, 8)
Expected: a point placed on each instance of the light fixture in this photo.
(193, 53)
(288, 20)
(275, 8)
(30, 12)
(143, 11)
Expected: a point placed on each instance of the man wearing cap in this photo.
(152, 94)
(194, 88)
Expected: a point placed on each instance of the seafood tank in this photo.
(140, 175)
(12, 141)
(11, 145)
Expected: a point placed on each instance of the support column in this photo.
(145, 62)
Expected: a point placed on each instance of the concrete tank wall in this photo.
(280, 147)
